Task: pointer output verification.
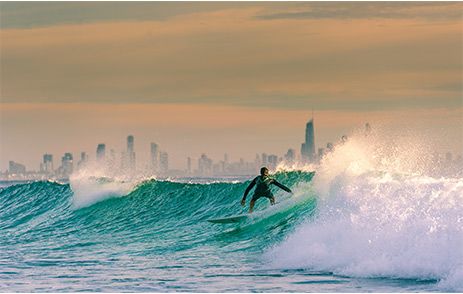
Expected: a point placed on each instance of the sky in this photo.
(223, 77)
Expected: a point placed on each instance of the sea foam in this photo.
(91, 185)
(383, 211)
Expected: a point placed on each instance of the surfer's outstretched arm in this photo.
(282, 186)
(248, 189)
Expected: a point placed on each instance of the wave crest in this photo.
(382, 212)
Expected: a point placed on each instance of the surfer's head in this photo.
(264, 171)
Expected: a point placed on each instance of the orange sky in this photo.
(191, 129)
(215, 77)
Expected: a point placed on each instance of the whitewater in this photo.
(375, 215)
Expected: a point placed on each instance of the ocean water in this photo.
(364, 220)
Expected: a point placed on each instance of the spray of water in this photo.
(387, 207)
(94, 183)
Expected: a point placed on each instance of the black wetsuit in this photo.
(262, 184)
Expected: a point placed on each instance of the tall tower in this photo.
(130, 153)
(308, 147)
(154, 157)
(264, 159)
(290, 156)
(47, 165)
(130, 142)
(67, 165)
(164, 162)
(83, 160)
(188, 165)
(100, 153)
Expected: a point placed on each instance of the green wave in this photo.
(156, 216)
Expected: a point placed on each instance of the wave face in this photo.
(65, 234)
(375, 216)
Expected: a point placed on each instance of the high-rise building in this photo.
(67, 165)
(188, 165)
(204, 165)
(264, 160)
(130, 153)
(257, 162)
(290, 156)
(101, 153)
(308, 147)
(225, 163)
(272, 161)
(130, 143)
(154, 157)
(241, 164)
(47, 164)
(163, 162)
(16, 168)
(83, 160)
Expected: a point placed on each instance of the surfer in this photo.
(262, 184)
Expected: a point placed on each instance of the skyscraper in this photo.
(130, 153)
(225, 163)
(130, 142)
(16, 168)
(163, 162)
(154, 157)
(188, 165)
(67, 165)
(290, 156)
(308, 147)
(204, 165)
(272, 161)
(264, 159)
(47, 165)
(83, 160)
(257, 162)
(101, 153)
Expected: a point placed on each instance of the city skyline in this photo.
(178, 160)
(213, 77)
(158, 163)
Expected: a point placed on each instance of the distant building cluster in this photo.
(158, 164)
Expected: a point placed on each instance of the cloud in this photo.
(229, 57)
(44, 14)
(370, 10)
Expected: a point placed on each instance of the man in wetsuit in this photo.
(262, 184)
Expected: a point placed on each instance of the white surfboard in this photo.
(230, 219)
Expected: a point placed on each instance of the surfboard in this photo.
(230, 219)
